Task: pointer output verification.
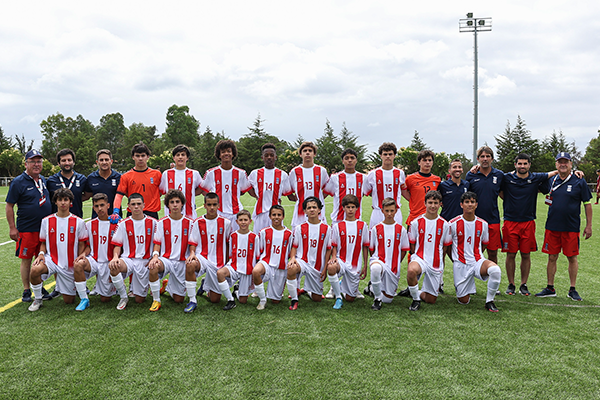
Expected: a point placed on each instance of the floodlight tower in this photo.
(471, 24)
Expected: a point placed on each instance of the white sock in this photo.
(386, 299)
(119, 285)
(224, 287)
(376, 271)
(190, 288)
(494, 277)
(260, 291)
(37, 290)
(334, 280)
(292, 286)
(414, 292)
(81, 290)
(155, 288)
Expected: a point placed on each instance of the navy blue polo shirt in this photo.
(520, 195)
(564, 215)
(451, 193)
(487, 188)
(24, 193)
(97, 184)
(77, 183)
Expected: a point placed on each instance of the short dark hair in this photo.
(211, 195)
(140, 148)
(350, 199)
(134, 196)
(63, 153)
(277, 207)
(267, 146)
(523, 156)
(103, 151)
(349, 151)
(99, 196)
(179, 148)
(387, 146)
(225, 144)
(62, 193)
(485, 149)
(388, 201)
(243, 212)
(424, 154)
(312, 198)
(174, 193)
(307, 144)
(468, 196)
(433, 194)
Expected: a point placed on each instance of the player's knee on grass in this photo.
(428, 298)
(386, 298)
(104, 299)
(214, 297)
(316, 297)
(465, 299)
(68, 299)
(177, 298)
(275, 301)
(243, 299)
(140, 299)
(350, 298)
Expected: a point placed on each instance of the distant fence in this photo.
(5, 180)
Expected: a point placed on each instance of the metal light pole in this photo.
(471, 24)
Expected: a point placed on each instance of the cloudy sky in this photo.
(385, 68)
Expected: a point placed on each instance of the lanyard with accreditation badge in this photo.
(62, 182)
(548, 200)
(40, 187)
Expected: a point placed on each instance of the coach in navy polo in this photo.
(104, 180)
(28, 191)
(451, 190)
(68, 178)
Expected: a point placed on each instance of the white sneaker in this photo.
(130, 294)
(330, 294)
(360, 295)
(261, 305)
(36, 305)
(254, 294)
(122, 303)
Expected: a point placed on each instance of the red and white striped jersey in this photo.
(245, 251)
(173, 236)
(349, 237)
(229, 185)
(100, 234)
(387, 243)
(386, 183)
(340, 185)
(467, 238)
(312, 242)
(135, 237)
(275, 246)
(62, 237)
(306, 182)
(211, 236)
(186, 180)
(430, 237)
(269, 185)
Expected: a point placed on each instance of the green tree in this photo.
(289, 157)
(249, 155)
(204, 155)
(137, 132)
(554, 144)
(12, 162)
(347, 139)
(328, 152)
(514, 141)
(21, 144)
(5, 141)
(591, 160)
(417, 144)
(182, 127)
(111, 132)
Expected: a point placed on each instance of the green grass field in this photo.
(532, 348)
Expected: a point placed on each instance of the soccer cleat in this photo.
(200, 291)
(229, 306)
(83, 304)
(54, 293)
(376, 305)
(261, 305)
(130, 294)
(573, 295)
(164, 286)
(155, 306)
(511, 289)
(490, 306)
(441, 289)
(27, 296)
(36, 305)
(416, 304)
(294, 305)
(330, 294)
(236, 289)
(46, 295)
(94, 292)
(122, 303)
(523, 290)
(368, 291)
(359, 295)
(254, 294)
(546, 292)
(191, 306)
(404, 293)
(338, 304)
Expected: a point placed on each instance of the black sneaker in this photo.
(511, 289)
(200, 291)
(376, 305)
(523, 290)
(441, 289)
(573, 295)
(404, 293)
(46, 295)
(368, 291)
(26, 296)
(546, 292)
(235, 292)
(416, 304)
(229, 306)
(54, 293)
(490, 306)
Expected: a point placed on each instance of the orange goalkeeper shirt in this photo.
(144, 182)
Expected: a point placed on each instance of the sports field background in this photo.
(532, 348)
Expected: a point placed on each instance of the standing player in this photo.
(451, 190)
(311, 250)
(63, 236)
(105, 180)
(68, 178)
(385, 181)
(269, 184)
(347, 182)
(170, 250)
(275, 244)
(350, 241)
(227, 181)
(28, 191)
(597, 186)
(211, 233)
(307, 180)
(418, 184)
(469, 238)
(244, 251)
(429, 240)
(389, 244)
(567, 192)
(184, 179)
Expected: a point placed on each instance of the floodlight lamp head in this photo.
(469, 15)
(470, 23)
(481, 22)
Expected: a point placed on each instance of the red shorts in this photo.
(518, 236)
(28, 245)
(495, 237)
(555, 241)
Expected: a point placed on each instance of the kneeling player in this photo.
(311, 250)
(94, 260)
(429, 239)
(244, 253)
(275, 248)
(469, 238)
(389, 244)
(349, 237)
(63, 235)
(170, 250)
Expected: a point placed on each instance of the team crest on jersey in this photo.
(77, 182)
(148, 231)
(396, 180)
(285, 243)
(251, 247)
(317, 179)
(397, 236)
(235, 181)
(322, 236)
(185, 232)
(189, 181)
(72, 229)
(360, 232)
(277, 181)
(304, 236)
(359, 185)
(495, 180)
(478, 233)
(439, 231)
(220, 231)
(152, 181)
(434, 184)
(114, 182)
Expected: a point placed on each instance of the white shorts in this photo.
(431, 276)
(312, 280)
(246, 284)
(276, 278)
(261, 221)
(138, 269)
(232, 218)
(104, 285)
(389, 280)
(464, 275)
(377, 217)
(64, 277)
(211, 283)
(176, 271)
(349, 285)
